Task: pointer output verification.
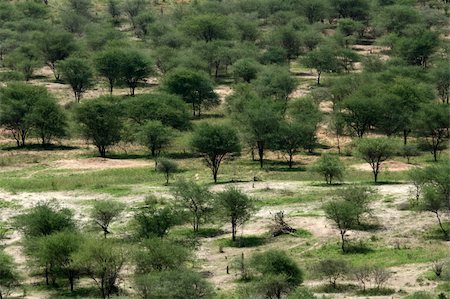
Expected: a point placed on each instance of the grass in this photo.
(244, 242)
(435, 232)
(376, 292)
(380, 256)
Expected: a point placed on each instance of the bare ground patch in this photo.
(100, 163)
(386, 166)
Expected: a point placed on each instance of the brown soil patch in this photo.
(386, 166)
(101, 163)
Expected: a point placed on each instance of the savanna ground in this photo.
(71, 174)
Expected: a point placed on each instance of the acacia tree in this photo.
(103, 261)
(433, 191)
(375, 151)
(100, 122)
(167, 167)
(236, 207)
(56, 46)
(18, 102)
(48, 120)
(78, 73)
(322, 60)
(260, 119)
(104, 212)
(55, 254)
(134, 69)
(433, 123)
(279, 273)
(441, 77)
(215, 143)
(155, 136)
(343, 214)
(194, 87)
(195, 198)
(330, 167)
(109, 65)
(9, 276)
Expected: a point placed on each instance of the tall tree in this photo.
(135, 68)
(109, 65)
(322, 60)
(78, 73)
(236, 207)
(55, 46)
(433, 123)
(100, 122)
(215, 143)
(194, 87)
(260, 119)
(104, 212)
(196, 199)
(375, 151)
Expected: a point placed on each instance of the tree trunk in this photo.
(290, 161)
(318, 77)
(233, 230)
(111, 83)
(261, 152)
(343, 241)
(446, 236)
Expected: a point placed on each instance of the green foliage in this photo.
(109, 65)
(152, 221)
(279, 273)
(332, 270)
(55, 46)
(27, 108)
(169, 109)
(100, 122)
(176, 284)
(155, 136)
(260, 119)
(134, 68)
(330, 167)
(44, 219)
(160, 255)
(78, 74)
(275, 82)
(215, 143)
(432, 123)
(207, 27)
(193, 87)
(344, 215)
(167, 167)
(103, 260)
(375, 151)
(9, 277)
(54, 254)
(417, 48)
(48, 120)
(323, 60)
(104, 212)
(196, 199)
(245, 69)
(236, 207)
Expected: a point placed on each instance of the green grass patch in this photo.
(435, 232)
(203, 232)
(380, 256)
(244, 242)
(376, 292)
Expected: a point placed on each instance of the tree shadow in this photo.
(41, 147)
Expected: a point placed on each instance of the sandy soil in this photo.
(100, 163)
(386, 166)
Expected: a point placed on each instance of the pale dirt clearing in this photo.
(100, 163)
(385, 166)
